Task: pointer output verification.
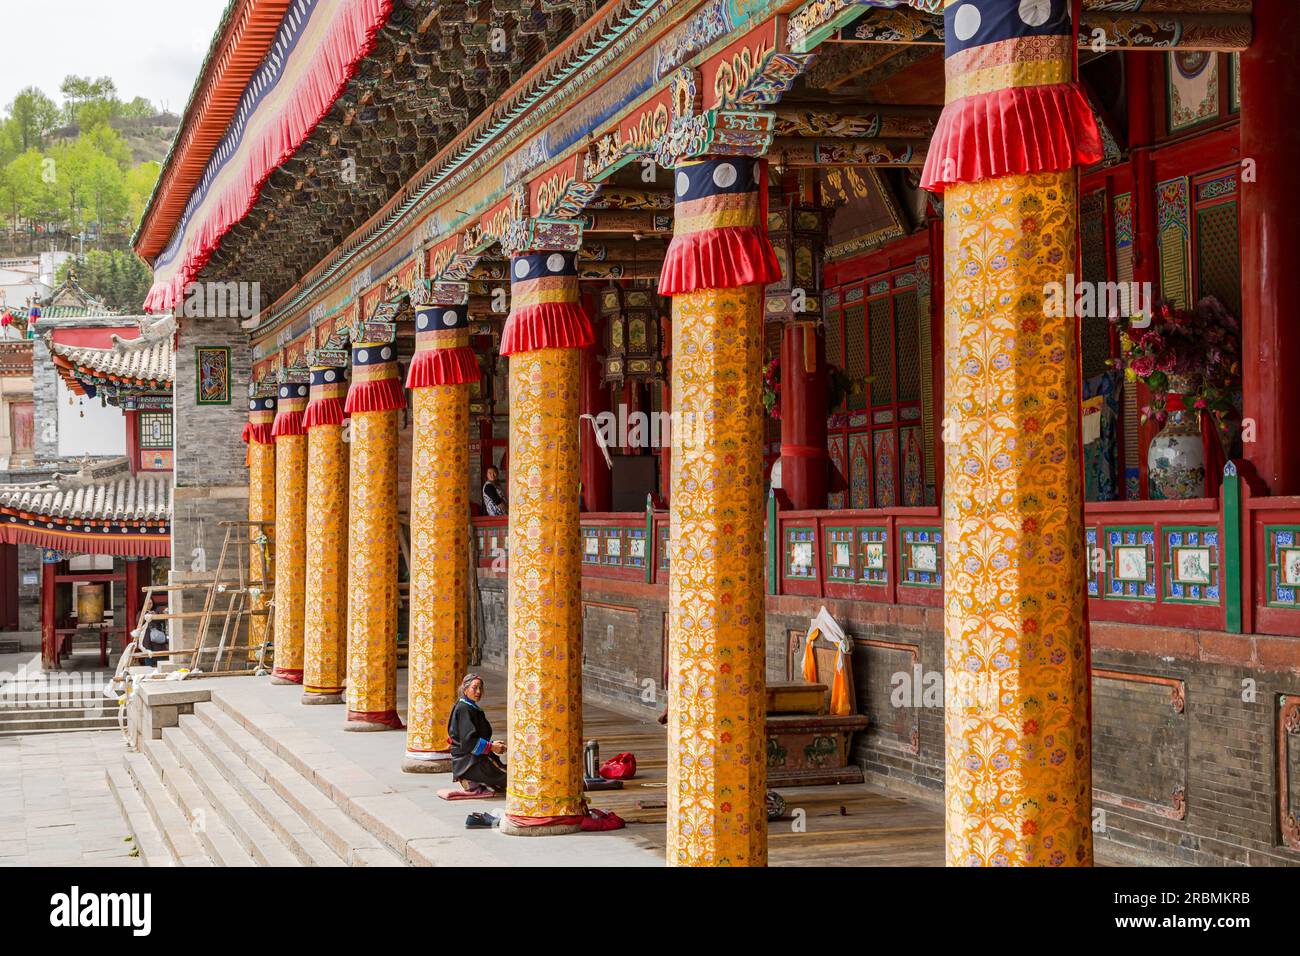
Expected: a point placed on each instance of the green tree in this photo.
(109, 142)
(35, 181)
(140, 181)
(15, 189)
(138, 109)
(81, 91)
(34, 114)
(118, 278)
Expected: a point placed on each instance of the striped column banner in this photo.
(440, 377)
(261, 514)
(290, 532)
(715, 269)
(325, 611)
(1018, 787)
(374, 400)
(543, 336)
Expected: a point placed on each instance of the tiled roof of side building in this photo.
(151, 358)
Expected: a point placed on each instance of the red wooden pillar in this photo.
(593, 399)
(1270, 246)
(1142, 72)
(666, 448)
(803, 416)
(137, 578)
(935, 236)
(49, 641)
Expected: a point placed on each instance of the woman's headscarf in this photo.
(467, 680)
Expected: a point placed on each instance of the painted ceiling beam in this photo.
(1100, 31)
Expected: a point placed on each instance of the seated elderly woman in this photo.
(474, 754)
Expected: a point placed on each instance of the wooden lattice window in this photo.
(155, 429)
(880, 423)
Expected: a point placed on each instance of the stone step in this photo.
(153, 849)
(268, 828)
(173, 826)
(16, 697)
(11, 647)
(91, 707)
(221, 845)
(346, 838)
(402, 827)
(15, 727)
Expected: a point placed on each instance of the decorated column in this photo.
(441, 373)
(544, 336)
(290, 532)
(261, 508)
(325, 614)
(716, 267)
(374, 399)
(1018, 782)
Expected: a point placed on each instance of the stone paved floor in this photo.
(55, 805)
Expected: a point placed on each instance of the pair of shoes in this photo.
(481, 821)
(600, 820)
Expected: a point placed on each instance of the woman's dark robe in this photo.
(471, 751)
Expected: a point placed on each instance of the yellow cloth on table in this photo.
(823, 625)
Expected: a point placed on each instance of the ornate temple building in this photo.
(86, 499)
(958, 327)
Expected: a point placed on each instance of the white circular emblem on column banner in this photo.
(683, 183)
(329, 376)
(1035, 12)
(449, 317)
(385, 353)
(555, 262)
(362, 355)
(521, 269)
(967, 21)
(724, 175)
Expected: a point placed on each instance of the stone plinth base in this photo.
(550, 829)
(414, 765)
(310, 698)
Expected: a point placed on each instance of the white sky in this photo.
(151, 48)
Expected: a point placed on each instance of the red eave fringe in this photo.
(350, 38)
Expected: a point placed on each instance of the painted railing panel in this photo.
(1156, 562)
(1270, 547)
(887, 555)
(1230, 563)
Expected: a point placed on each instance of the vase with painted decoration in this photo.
(1176, 455)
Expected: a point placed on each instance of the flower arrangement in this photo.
(1191, 353)
(772, 388)
(839, 386)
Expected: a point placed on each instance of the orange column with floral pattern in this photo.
(1018, 787)
(440, 376)
(719, 260)
(290, 532)
(543, 336)
(261, 515)
(374, 400)
(325, 613)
